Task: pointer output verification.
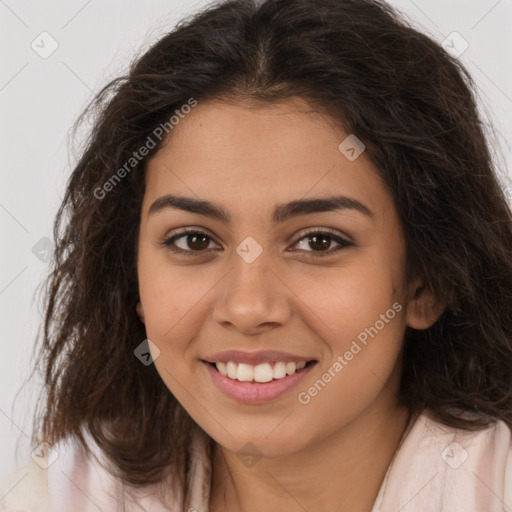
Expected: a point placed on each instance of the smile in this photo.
(257, 384)
(258, 373)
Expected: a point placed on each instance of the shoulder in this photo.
(455, 468)
(59, 477)
(65, 477)
(26, 490)
(508, 479)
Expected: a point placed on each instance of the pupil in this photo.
(314, 240)
(194, 238)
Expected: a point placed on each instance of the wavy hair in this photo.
(415, 108)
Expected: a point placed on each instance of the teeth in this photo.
(263, 373)
(258, 373)
(223, 368)
(232, 370)
(279, 370)
(245, 372)
(291, 368)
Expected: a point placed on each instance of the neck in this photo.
(342, 472)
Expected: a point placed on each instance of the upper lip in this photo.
(254, 358)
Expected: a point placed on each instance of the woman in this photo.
(282, 279)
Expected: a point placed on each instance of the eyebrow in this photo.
(282, 212)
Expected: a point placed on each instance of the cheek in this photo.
(170, 302)
(351, 300)
(363, 364)
(171, 296)
(175, 302)
(362, 323)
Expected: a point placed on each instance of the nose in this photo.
(253, 297)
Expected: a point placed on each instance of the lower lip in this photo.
(256, 392)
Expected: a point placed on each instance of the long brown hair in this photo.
(413, 106)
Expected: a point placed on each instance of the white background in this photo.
(40, 99)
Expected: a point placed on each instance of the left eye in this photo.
(199, 241)
(323, 240)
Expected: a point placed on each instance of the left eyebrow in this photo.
(282, 212)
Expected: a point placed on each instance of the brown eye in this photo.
(320, 241)
(197, 241)
(194, 241)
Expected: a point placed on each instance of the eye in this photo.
(322, 239)
(197, 241)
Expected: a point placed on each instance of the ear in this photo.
(140, 311)
(423, 308)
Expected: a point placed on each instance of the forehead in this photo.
(245, 156)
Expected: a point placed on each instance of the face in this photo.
(257, 286)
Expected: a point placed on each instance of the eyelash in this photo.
(314, 254)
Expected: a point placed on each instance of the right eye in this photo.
(196, 241)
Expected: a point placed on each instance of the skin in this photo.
(249, 159)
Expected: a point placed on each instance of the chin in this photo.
(260, 442)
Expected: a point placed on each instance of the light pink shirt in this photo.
(435, 469)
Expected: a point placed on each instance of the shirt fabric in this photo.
(436, 468)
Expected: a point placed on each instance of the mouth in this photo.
(257, 384)
(260, 373)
